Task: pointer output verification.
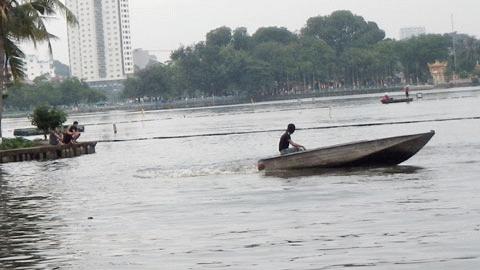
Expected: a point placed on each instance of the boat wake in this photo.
(216, 169)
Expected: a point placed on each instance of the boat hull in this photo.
(382, 152)
(397, 100)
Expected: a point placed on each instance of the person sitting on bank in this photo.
(55, 137)
(286, 141)
(72, 134)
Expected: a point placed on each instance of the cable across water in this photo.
(280, 130)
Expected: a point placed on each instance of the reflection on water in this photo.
(26, 231)
(357, 171)
(199, 202)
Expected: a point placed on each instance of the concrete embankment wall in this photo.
(47, 152)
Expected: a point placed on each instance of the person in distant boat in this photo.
(55, 137)
(386, 98)
(286, 141)
(407, 91)
(72, 134)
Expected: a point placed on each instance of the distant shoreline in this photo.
(226, 101)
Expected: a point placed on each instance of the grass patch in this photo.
(16, 143)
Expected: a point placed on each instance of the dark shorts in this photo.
(67, 139)
(289, 151)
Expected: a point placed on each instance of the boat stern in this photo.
(260, 165)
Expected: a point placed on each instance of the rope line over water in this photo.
(280, 130)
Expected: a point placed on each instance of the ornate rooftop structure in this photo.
(438, 70)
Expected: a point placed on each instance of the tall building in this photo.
(36, 67)
(142, 58)
(100, 46)
(409, 32)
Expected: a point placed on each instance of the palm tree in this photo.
(20, 21)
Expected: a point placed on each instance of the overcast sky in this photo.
(167, 24)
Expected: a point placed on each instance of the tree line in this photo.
(338, 50)
(69, 92)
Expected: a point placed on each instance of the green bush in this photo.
(46, 118)
(16, 143)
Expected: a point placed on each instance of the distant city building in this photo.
(141, 58)
(36, 67)
(100, 47)
(409, 32)
(61, 70)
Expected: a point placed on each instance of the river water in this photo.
(195, 201)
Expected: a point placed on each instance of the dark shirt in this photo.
(284, 142)
(67, 138)
(73, 129)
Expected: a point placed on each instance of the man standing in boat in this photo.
(286, 141)
(407, 91)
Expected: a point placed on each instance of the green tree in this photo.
(415, 53)
(68, 92)
(189, 65)
(61, 69)
(131, 87)
(363, 66)
(273, 34)
(313, 60)
(281, 62)
(339, 50)
(245, 75)
(205, 69)
(343, 30)
(388, 61)
(219, 37)
(467, 54)
(22, 21)
(153, 81)
(46, 119)
(241, 40)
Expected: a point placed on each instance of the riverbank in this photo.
(241, 100)
(47, 152)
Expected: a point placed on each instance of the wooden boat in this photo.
(374, 153)
(396, 100)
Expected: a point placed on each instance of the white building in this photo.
(100, 45)
(409, 32)
(35, 67)
(141, 58)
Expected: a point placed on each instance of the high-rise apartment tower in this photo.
(100, 46)
(409, 32)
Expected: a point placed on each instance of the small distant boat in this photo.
(396, 100)
(375, 153)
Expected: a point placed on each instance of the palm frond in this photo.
(51, 8)
(5, 7)
(14, 59)
(45, 35)
(25, 21)
(28, 24)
